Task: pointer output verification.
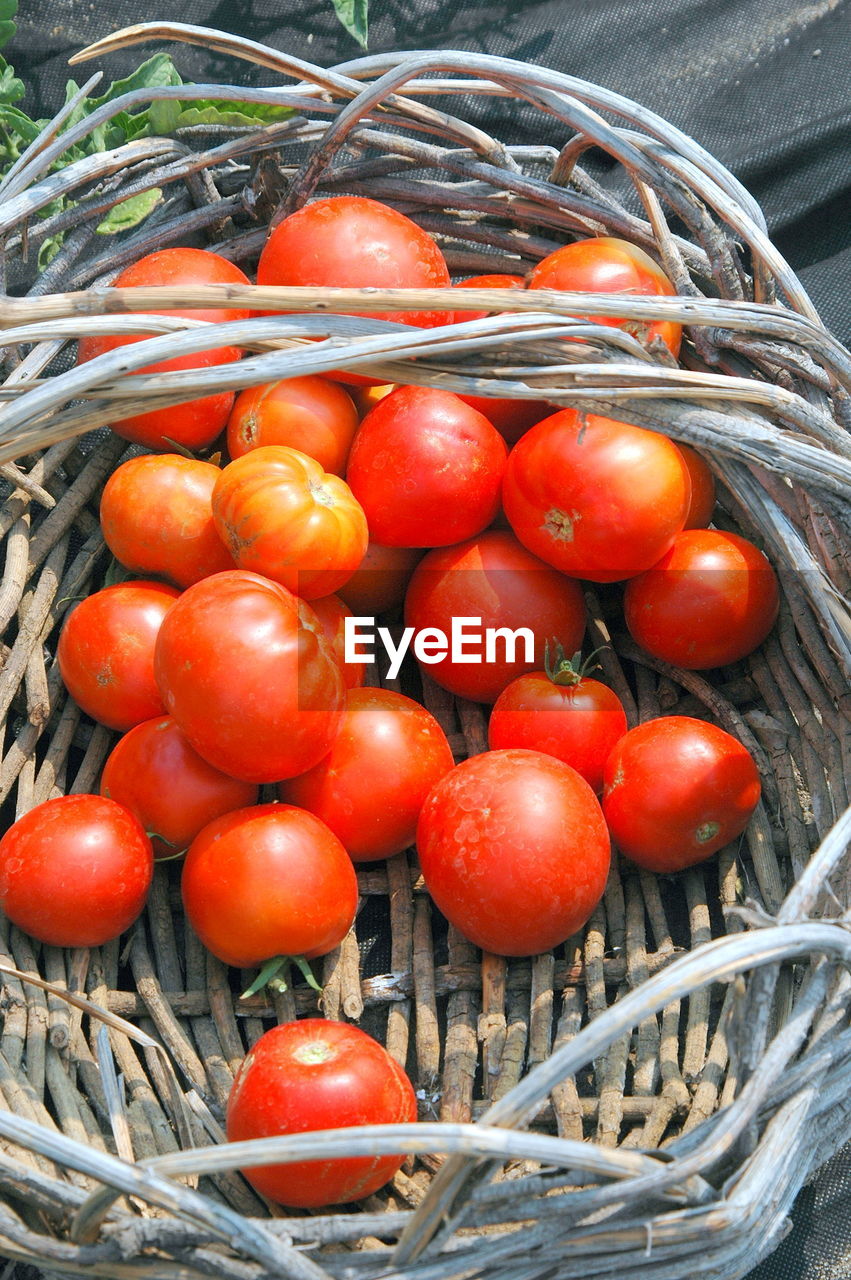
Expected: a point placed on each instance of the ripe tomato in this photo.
(493, 578)
(353, 242)
(244, 669)
(370, 787)
(197, 422)
(381, 579)
(676, 790)
(710, 600)
(702, 502)
(268, 881)
(75, 871)
(332, 614)
(514, 850)
(367, 397)
(282, 516)
(156, 774)
(157, 518)
(608, 265)
(311, 414)
(426, 468)
(106, 652)
(563, 713)
(313, 1074)
(596, 498)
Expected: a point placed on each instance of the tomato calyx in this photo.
(275, 972)
(568, 671)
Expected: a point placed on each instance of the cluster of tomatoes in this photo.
(342, 505)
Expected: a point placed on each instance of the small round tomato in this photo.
(332, 614)
(370, 787)
(268, 881)
(381, 579)
(702, 502)
(426, 468)
(514, 851)
(281, 515)
(608, 265)
(710, 600)
(494, 579)
(311, 414)
(195, 423)
(595, 498)
(75, 871)
(676, 790)
(156, 774)
(314, 1074)
(106, 652)
(157, 517)
(244, 669)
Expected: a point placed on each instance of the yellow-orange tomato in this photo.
(311, 414)
(367, 397)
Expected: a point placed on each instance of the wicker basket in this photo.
(648, 1099)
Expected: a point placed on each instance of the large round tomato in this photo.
(494, 579)
(351, 242)
(381, 579)
(710, 600)
(311, 414)
(157, 518)
(514, 850)
(158, 776)
(106, 652)
(313, 1074)
(244, 669)
(426, 468)
(702, 502)
(281, 515)
(676, 790)
(596, 498)
(332, 614)
(268, 881)
(75, 871)
(370, 787)
(197, 422)
(608, 265)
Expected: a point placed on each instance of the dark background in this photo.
(763, 84)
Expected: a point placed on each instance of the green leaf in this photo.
(8, 9)
(11, 88)
(353, 14)
(163, 117)
(48, 250)
(230, 113)
(129, 213)
(154, 72)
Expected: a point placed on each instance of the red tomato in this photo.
(426, 468)
(245, 671)
(493, 578)
(486, 282)
(677, 790)
(596, 498)
(381, 579)
(106, 652)
(197, 422)
(370, 787)
(332, 614)
(350, 242)
(514, 851)
(156, 774)
(75, 871)
(282, 516)
(702, 488)
(710, 600)
(311, 414)
(157, 518)
(268, 881)
(608, 265)
(313, 1074)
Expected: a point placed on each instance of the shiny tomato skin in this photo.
(75, 871)
(196, 423)
(514, 851)
(159, 777)
(244, 669)
(354, 242)
(387, 756)
(676, 790)
(106, 652)
(311, 414)
(711, 600)
(495, 281)
(702, 503)
(268, 881)
(280, 515)
(316, 1074)
(381, 579)
(608, 265)
(595, 498)
(493, 577)
(426, 468)
(332, 614)
(157, 518)
(578, 723)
